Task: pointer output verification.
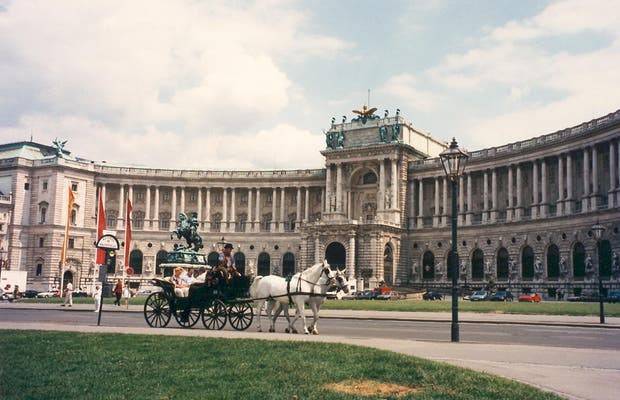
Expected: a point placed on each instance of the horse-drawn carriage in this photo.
(213, 302)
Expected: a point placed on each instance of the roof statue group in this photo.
(335, 139)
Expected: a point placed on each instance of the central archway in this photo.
(336, 255)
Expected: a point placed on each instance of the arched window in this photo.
(369, 178)
(604, 258)
(288, 264)
(239, 258)
(477, 264)
(43, 212)
(449, 263)
(164, 220)
(39, 270)
(213, 258)
(110, 218)
(265, 224)
(553, 261)
(264, 264)
(527, 262)
(135, 261)
(242, 220)
(216, 222)
(428, 265)
(137, 219)
(579, 260)
(74, 213)
(161, 257)
(502, 263)
(336, 255)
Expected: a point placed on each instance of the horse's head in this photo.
(341, 280)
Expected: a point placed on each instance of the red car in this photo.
(530, 298)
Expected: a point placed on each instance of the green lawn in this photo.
(548, 308)
(60, 365)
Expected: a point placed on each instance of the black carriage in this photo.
(215, 302)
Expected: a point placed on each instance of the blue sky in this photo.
(244, 85)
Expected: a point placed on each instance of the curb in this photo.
(487, 322)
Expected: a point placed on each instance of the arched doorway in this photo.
(477, 264)
(527, 262)
(161, 257)
(388, 264)
(502, 263)
(264, 264)
(288, 264)
(428, 265)
(336, 255)
(239, 258)
(67, 278)
(449, 264)
(213, 258)
(553, 261)
(135, 261)
(604, 258)
(579, 260)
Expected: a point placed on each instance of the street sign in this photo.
(108, 242)
(129, 271)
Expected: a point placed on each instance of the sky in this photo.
(252, 85)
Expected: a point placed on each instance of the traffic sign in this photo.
(129, 271)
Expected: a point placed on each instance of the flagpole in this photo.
(65, 242)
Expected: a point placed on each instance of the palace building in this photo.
(380, 207)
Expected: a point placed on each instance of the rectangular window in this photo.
(39, 269)
(269, 198)
(26, 186)
(74, 186)
(71, 243)
(217, 198)
(41, 241)
(140, 195)
(166, 196)
(44, 185)
(192, 197)
(164, 224)
(243, 199)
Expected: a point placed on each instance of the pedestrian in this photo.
(68, 295)
(126, 295)
(97, 298)
(118, 292)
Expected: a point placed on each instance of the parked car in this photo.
(366, 295)
(530, 298)
(80, 293)
(48, 294)
(392, 295)
(479, 295)
(432, 295)
(502, 295)
(30, 294)
(613, 296)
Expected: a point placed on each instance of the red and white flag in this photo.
(127, 234)
(100, 227)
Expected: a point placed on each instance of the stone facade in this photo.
(380, 208)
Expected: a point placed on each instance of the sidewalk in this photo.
(465, 317)
(578, 374)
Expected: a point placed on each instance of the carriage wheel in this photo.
(187, 318)
(240, 316)
(214, 316)
(157, 310)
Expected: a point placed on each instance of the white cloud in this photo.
(152, 70)
(404, 87)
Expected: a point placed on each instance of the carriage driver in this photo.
(226, 262)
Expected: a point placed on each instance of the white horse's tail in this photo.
(254, 286)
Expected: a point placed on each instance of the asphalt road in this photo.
(584, 338)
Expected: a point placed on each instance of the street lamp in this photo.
(453, 161)
(597, 230)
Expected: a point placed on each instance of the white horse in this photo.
(277, 290)
(315, 302)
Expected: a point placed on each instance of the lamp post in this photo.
(598, 230)
(453, 161)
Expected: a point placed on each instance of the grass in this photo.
(60, 365)
(546, 308)
(543, 308)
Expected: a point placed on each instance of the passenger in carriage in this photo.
(181, 288)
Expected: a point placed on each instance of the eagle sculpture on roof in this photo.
(366, 112)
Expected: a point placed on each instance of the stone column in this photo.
(568, 204)
(147, 216)
(317, 250)
(381, 202)
(173, 217)
(328, 188)
(323, 201)
(351, 258)
(208, 210)
(156, 214)
(485, 197)
(519, 209)
(543, 182)
(199, 208)
(224, 223)
(307, 205)
(535, 189)
(595, 189)
(495, 207)
(412, 213)
(298, 211)
(560, 201)
(249, 224)
(618, 176)
(420, 203)
(274, 217)
(444, 197)
(511, 203)
(612, 175)
(586, 180)
(282, 209)
(121, 208)
(182, 200)
(470, 203)
(436, 213)
(257, 215)
(339, 188)
(461, 216)
(233, 211)
(395, 203)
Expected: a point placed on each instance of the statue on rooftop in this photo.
(365, 114)
(59, 145)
